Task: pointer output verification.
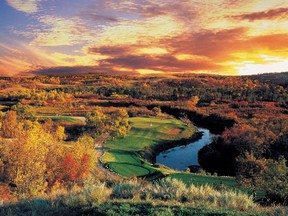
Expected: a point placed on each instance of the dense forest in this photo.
(40, 150)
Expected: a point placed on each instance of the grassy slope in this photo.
(147, 132)
(71, 120)
(122, 154)
(200, 180)
(196, 179)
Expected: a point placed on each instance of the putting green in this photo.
(128, 170)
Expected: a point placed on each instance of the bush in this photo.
(5, 194)
(126, 190)
(167, 189)
(275, 181)
(96, 192)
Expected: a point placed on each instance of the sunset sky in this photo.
(144, 36)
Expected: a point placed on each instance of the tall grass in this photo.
(173, 189)
(168, 189)
(127, 190)
(95, 195)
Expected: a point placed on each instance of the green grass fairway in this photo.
(128, 164)
(121, 154)
(66, 119)
(128, 170)
(147, 132)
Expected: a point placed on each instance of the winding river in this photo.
(181, 157)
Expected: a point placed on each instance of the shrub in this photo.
(126, 190)
(225, 198)
(275, 181)
(168, 189)
(5, 194)
(97, 193)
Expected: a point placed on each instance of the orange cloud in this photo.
(23, 58)
(221, 36)
(278, 13)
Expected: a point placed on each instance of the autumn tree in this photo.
(23, 112)
(250, 170)
(31, 158)
(120, 125)
(97, 121)
(192, 102)
(116, 123)
(25, 158)
(9, 124)
(56, 152)
(275, 181)
(80, 161)
(156, 111)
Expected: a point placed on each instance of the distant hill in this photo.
(80, 70)
(273, 78)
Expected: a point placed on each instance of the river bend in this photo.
(180, 157)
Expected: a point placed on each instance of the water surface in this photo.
(180, 157)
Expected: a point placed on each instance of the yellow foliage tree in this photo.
(27, 157)
(191, 104)
(9, 124)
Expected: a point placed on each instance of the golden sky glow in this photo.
(144, 36)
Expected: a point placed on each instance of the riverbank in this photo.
(150, 153)
(181, 157)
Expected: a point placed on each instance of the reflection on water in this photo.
(182, 156)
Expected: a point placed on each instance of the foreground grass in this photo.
(122, 154)
(134, 197)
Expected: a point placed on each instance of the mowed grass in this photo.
(66, 119)
(127, 163)
(148, 132)
(122, 154)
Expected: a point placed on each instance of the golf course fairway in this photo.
(122, 154)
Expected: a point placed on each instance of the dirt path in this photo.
(99, 142)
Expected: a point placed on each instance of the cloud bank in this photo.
(148, 36)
